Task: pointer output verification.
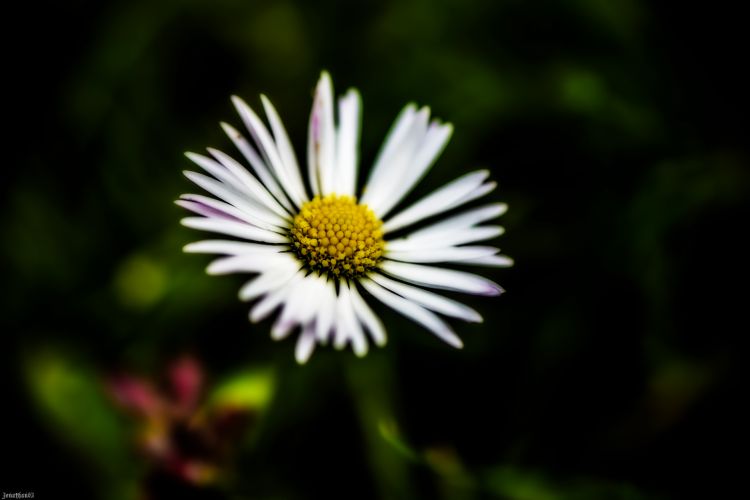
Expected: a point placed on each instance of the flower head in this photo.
(316, 246)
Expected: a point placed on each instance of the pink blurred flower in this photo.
(180, 434)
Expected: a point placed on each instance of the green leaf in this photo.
(249, 390)
(71, 400)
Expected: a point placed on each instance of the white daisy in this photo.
(315, 247)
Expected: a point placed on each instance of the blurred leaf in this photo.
(513, 483)
(388, 430)
(139, 282)
(456, 482)
(278, 33)
(70, 398)
(673, 388)
(618, 18)
(582, 90)
(372, 387)
(249, 390)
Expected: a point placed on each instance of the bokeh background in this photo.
(610, 369)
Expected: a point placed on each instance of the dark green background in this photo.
(617, 131)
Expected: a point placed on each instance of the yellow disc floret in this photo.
(334, 234)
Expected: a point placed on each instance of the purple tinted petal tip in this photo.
(201, 208)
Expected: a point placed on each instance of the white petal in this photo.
(250, 263)
(447, 254)
(207, 210)
(226, 210)
(491, 261)
(446, 279)
(414, 312)
(258, 191)
(321, 145)
(281, 329)
(305, 344)
(299, 308)
(268, 149)
(252, 210)
(368, 317)
(214, 168)
(426, 242)
(347, 143)
(230, 247)
(271, 301)
(284, 145)
(264, 283)
(463, 220)
(430, 300)
(396, 171)
(352, 325)
(443, 199)
(399, 129)
(232, 228)
(429, 149)
(482, 190)
(258, 164)
(340, 332)
(252, 194)
(314, 293)
(326, 314)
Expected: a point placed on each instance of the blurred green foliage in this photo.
(610, 368)
(247, 389)
(72, 401)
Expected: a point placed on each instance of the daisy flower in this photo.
(319, 250)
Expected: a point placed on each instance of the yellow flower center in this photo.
(334, 234)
